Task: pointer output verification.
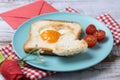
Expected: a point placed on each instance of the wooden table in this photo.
(109, 69)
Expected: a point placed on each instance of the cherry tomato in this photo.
(91, 40)
(100, 35)
(90, 29)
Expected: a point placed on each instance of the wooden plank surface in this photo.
(109, 69)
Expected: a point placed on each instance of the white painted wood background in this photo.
(109, 69)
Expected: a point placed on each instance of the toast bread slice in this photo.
(70, 34)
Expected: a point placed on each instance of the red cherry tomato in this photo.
(90, 29)
(91, 40)
(100, 35)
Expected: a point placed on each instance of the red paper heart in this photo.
(11, 70)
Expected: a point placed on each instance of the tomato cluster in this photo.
(93, 35)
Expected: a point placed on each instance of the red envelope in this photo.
(17, 16)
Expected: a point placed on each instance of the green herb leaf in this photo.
(2, 58)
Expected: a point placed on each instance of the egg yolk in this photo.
(50, 36)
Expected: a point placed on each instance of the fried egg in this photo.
(52, 34)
